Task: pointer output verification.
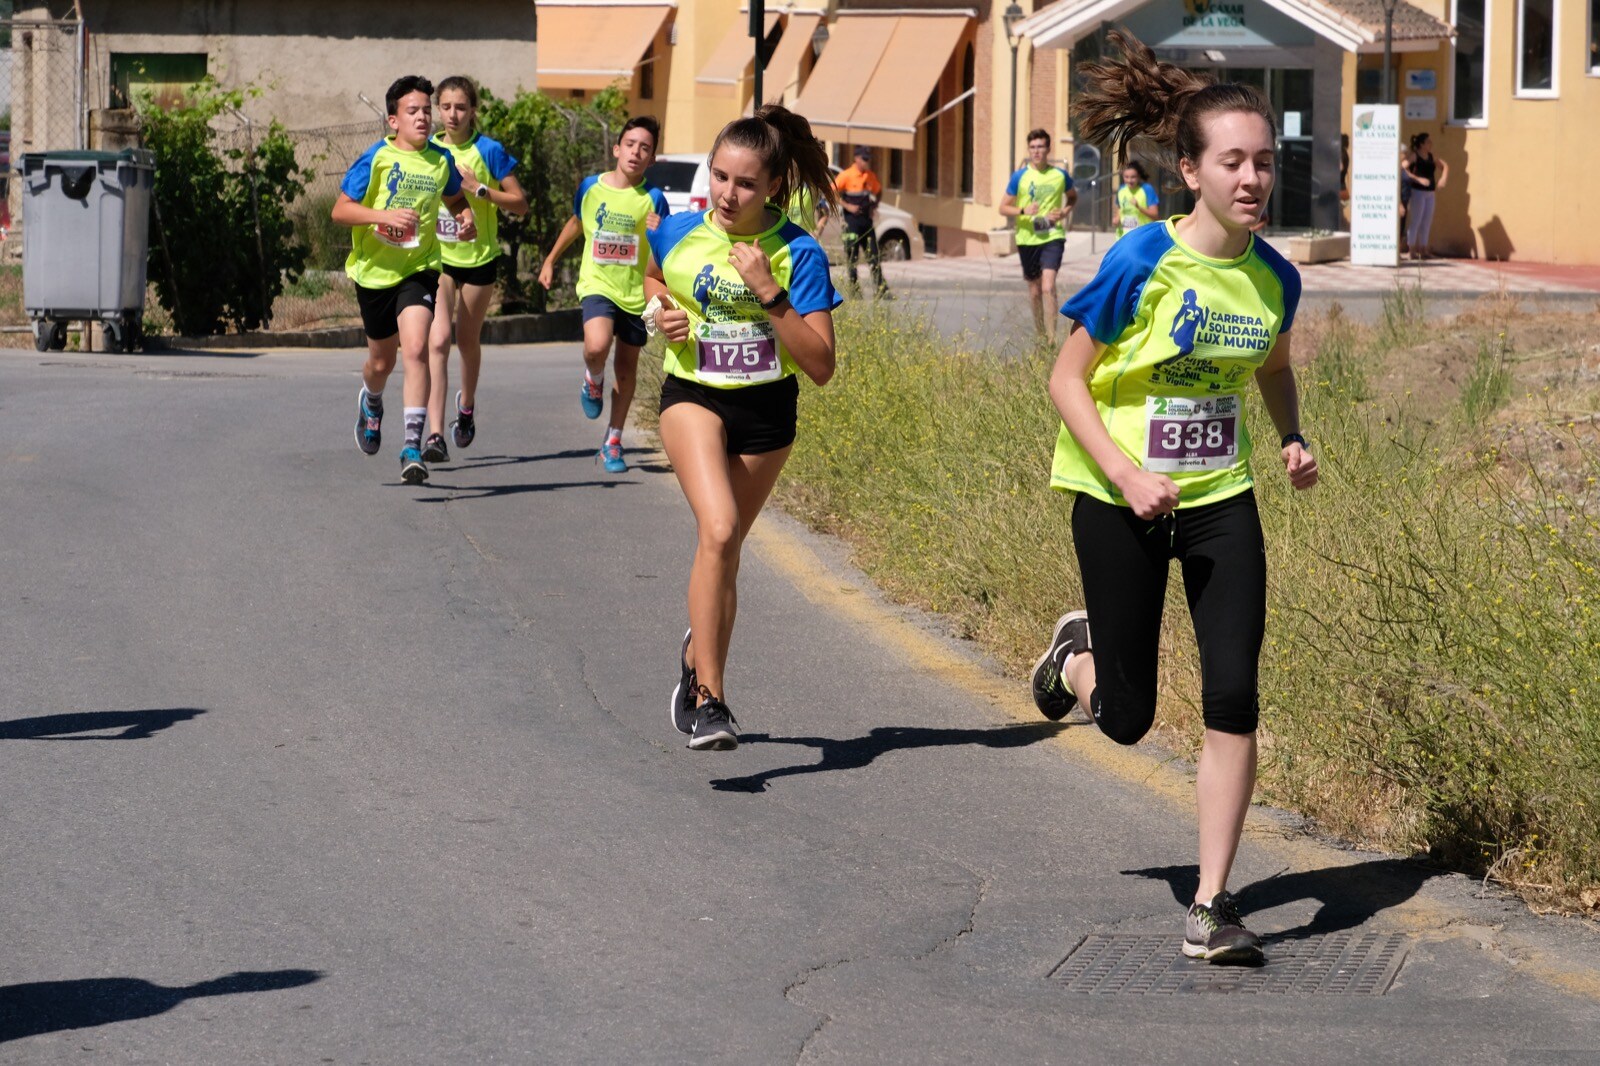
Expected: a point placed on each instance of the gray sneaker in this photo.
(1215, 932)
(714, 727)
(1052, 692)
(683, 693)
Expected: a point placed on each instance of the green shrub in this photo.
(222, 243)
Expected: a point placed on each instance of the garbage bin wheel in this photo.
(58, 336)
(41, 335)
(132, 330)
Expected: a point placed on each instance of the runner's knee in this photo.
(719, 535)
(1232, 707)
(1124, 715)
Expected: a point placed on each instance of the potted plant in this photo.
(1319, 246)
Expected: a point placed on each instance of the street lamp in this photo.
(1013, 15)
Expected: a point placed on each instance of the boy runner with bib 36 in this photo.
(742, 294)
(613, 211)
(1041, 198)
(1178, 320)
(391, 197)
(469, 264)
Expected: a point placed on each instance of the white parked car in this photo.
(685, 180)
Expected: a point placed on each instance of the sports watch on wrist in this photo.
(777, 298)
(481, 192)
(1293, 438)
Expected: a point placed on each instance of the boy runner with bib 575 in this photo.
(391, 197)
(469, 262)
(613, 211)
(1181, 316)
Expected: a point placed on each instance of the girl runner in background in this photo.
(743, 296)
(1137, 200)
(468, 277)
(1153, 445)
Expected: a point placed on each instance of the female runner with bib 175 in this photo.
(1153, 444)
(743, 297)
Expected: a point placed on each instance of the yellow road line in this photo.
(822, 585)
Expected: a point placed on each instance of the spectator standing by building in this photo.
(859, 192)
(1428, 174)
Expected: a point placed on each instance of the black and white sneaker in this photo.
(1215, 932)
(683, 693)
(434, 450)
(714, 727)
(1052, 692)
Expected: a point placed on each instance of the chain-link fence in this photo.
(41, 110)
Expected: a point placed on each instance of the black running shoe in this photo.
(434, 450)
(1052, 692)
(369, 425)
(1215, 932)
(714, 727)
(683, 692)
(463, 429)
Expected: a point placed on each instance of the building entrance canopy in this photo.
(1254, 28)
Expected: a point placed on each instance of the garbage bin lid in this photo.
(142, 157)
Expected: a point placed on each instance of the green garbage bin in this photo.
(85, 236)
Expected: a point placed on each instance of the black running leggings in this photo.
(1124, 561)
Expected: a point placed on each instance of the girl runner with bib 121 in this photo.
(743, 297)
(469, 265)
(1149, 386)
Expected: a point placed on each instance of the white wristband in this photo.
(650, 310)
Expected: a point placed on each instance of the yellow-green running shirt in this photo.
(1184, 334)
(388, 177)
(489, 160)
(731, 341)
(614, 251)
(1048, 189)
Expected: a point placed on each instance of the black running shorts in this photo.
(482, 275)
(380, 308)
(626, 328)
(757, 418)
(1037, 258)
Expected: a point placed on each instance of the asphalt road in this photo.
(302, 765)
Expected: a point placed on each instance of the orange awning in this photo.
(732, 62)
(782, 75)
(873, 79)
(590, 46)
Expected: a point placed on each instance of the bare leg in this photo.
(470, 311)
(439, 352)
(1045, 309)
(622, 385)
(726, 493)
(1226, 781)
(380, 362)
(415, 324)
(1036, 299)
(596, 345)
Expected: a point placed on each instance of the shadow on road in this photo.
(52, 1006)
(482, 462)
(135, 725)
(1349, 895)
(488, 492)
(857, 752)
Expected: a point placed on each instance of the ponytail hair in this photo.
(784, 143)
(1142, 98)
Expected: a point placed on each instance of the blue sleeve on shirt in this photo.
(659, 198)
(583, 188)
(452, 184)
(495, 157)
(1150, 197)
(1107, 304)
(1288, 277)
(810, 287)
(1068, 179)
(1015, 183)
(666, 236)
(358, 179)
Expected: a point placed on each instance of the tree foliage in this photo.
(557, 147)
(222, 245)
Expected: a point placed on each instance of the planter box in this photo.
(1002, 241)
(1319, 249)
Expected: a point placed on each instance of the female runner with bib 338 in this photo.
(743, 296)
(1153, 444)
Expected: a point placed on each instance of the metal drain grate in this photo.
(1333, 964)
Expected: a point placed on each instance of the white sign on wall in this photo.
(1375, 184)
(1422, 108)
